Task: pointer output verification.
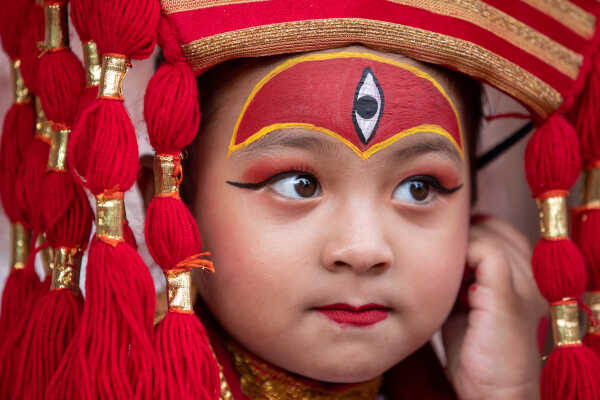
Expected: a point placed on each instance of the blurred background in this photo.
(503, 191)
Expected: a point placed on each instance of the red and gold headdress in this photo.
(545, 54)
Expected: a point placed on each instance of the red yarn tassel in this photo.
(191, 371)
(172, 114)
(552, 164)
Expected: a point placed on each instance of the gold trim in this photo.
(260, 380)
(109, 218)
(165, 175)
(114, 68)
(56, 35)
(565, 323)
(57, 158)
(299, 125)
(568, 14)
(553, 217)
(173, 6)
(65, 274)
(179, 290)
(416, 43)
(22, 95)
(91, 60)
(508, 28)
(20, 238)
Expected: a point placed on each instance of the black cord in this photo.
(494, 152)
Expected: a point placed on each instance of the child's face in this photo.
(298, 223)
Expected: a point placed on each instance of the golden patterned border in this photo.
(173, 6)
(568, 14)
(507, 27)
(419, 44)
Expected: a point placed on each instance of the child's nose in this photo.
(356, 242)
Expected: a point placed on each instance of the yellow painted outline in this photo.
(299, 125)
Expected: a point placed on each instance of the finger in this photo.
(492, 267)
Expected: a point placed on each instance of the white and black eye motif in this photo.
(368, 106)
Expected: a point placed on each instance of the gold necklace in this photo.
(261, 381)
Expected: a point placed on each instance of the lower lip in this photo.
(355, 318)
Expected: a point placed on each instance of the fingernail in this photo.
(479, 218)
(473, 287)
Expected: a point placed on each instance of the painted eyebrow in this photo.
(278, 140)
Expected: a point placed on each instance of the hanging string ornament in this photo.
(111, 355)
(173, 115)
(66, 212)
(586, 119)
(552, 164)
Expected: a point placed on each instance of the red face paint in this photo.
(366, 101)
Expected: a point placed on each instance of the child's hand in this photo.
(492, 351)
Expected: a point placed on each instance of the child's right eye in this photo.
(296, 186)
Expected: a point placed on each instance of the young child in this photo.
(331, 182)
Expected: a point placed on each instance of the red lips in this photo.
(368, 314)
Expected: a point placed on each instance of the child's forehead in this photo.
(366, 99)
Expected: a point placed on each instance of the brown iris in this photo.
(305, 186)
(419, 190)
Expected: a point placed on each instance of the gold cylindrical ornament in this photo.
(65, 274)
(46, 254)
(22, 95)
(91, 60)
(565, 323)
(179, 290)
(109, 218)
(20, 240)
(57, 158)
(56, 34)
(166, 180)
(592, 299)
(553, 217)
(114, 68)
(591, 188)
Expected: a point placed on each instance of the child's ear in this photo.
(145, 181)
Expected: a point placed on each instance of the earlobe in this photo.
(145, 180)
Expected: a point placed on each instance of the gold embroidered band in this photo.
(20, 246)
(22, 95)
(109, 217)
(65, 274)
(114, 68)
(568, 14)
(553, 217)
(56, 35)
(591, 189)
(46, 254)
(565, 323)
(167, 175)
(416, 43)
(59, 140)
(592, 299)
(91, 60)
(179, 290)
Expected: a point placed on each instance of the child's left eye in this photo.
(414, 191)
(297, 186)
(421, 189)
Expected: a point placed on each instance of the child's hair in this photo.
(468, 90)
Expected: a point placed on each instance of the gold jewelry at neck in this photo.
(261, 381)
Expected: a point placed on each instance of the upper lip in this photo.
(348, 307)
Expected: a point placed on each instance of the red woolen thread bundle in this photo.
(66, 213)
(586, 118)
(17, 134)
(111, 355)
(552, 164)
(172, 114)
